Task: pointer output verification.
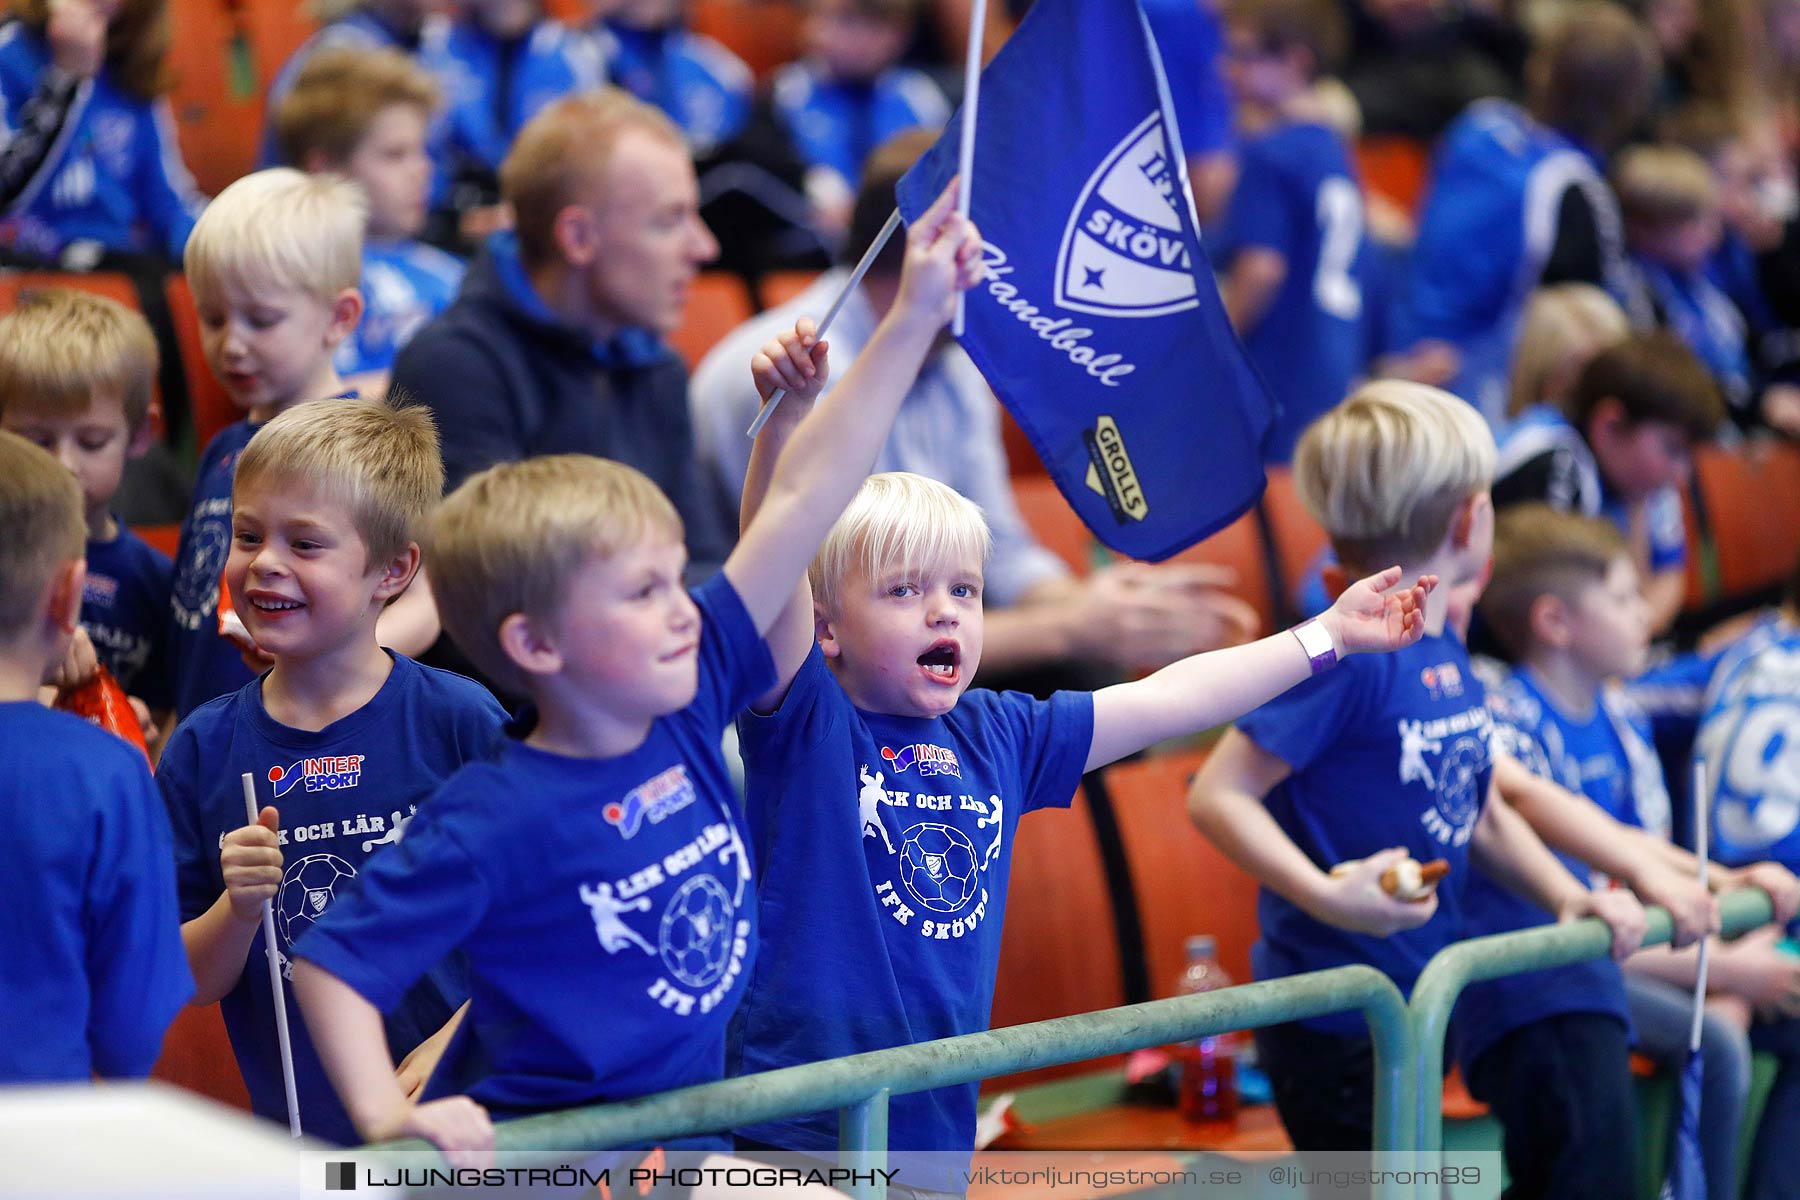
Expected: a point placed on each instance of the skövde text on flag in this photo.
(1098, 325)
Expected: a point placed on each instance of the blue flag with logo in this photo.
(1098, 325)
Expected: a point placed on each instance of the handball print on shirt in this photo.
(699, 941)
(1447, 756)
(937, 865)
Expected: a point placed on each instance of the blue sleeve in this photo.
(137, 968)
(176, 779)
(1054, 738)
(1668, 531)
(1302, 724)
(1261, 212)
(410, 907)
(735, 665)
(164, 187)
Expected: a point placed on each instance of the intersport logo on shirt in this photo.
(318, 774)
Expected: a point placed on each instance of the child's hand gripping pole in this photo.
(275, 989)
(856, 278)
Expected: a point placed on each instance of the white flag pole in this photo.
(856, 277)
(1701, 831)
(965, 163)
(275, 988)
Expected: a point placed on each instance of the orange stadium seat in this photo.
(1054, 524)
(211, 407)
(166, 538)
(1239, 546)
(196, 1055)
(1751, 500)
(778, 287)
(1395, 168)
(764, 33)
(717, 304)
(1021, 456)
(1059, 953)
(1297, 537)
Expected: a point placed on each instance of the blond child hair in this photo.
(42, 529)
(1564, 326)
(58, 345)
(1385, 471)
(897, 520)
(561, 157)
(337, 96)
(1539, 551)
(1660, 186)
(379, 457)
(512, 538)
(280, 228)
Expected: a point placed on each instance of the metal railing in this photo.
(1457, 966)
(859, 1085)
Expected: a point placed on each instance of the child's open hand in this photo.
(1354, 899)
(1621, 912)
(251, 862)
(795, 362)
(1368, 617)
(943, 258)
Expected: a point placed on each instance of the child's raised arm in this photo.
(832, 452)
(1204, 690)
(795, 362)
(346, 1029)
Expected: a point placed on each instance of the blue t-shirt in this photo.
(1386, 750)
(115, 174)
(702, 86)
(835, 123)
(1608, 759)
(125, 610)
(206, 664)
(94, 968)
(494, 87)
(604, 905)
(404, 285)
(882, 917)
(1750, 740)
(343, 792)
(1297, 195)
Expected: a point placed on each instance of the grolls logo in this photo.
(931, 760)
(1124, 253)
(319, 774)
(1110, 472)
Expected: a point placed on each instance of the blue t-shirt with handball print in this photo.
(1386, 750)
(604, 906)
(883, 846)
(206, 664)
(343, 793)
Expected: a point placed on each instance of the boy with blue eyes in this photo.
(883, 797)
(343, 738)
(274, 262)
(76, 373)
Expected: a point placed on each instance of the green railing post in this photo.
(862, 1143)
(1457, 966)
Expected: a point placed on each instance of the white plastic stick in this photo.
(275, 988)
(856, 277)
(965, 161)
(1701, 821)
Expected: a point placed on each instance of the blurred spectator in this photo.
(703, 87)
(90, 163)
(1190, 39)
(1415, 64)
(848, 95)
(1518, 196)
(1563, 328)
(1045, 628)
(363, 114)
(502, 62)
